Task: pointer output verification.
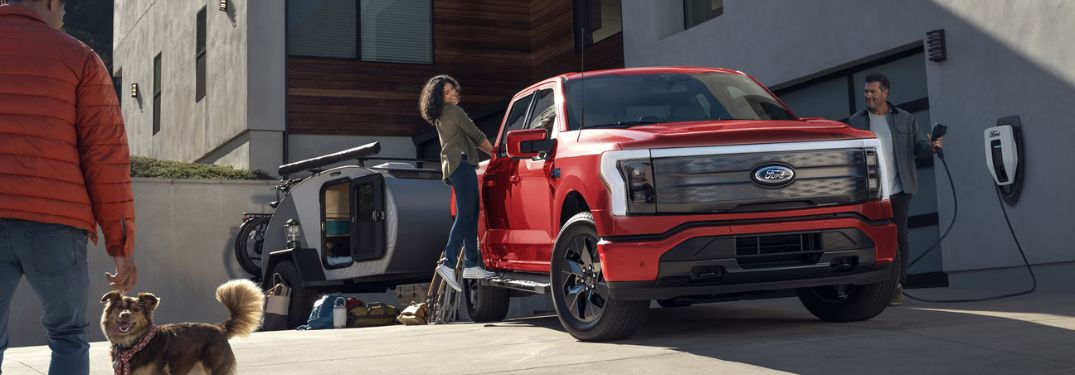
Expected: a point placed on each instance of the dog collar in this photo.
(121, 359)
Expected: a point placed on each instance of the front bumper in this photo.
(715, 258)
(656, 290)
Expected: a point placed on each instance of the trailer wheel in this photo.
(302, 299)
(851, 303)
(580, 292)
(486, 303)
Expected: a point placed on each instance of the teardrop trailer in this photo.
(351, 228)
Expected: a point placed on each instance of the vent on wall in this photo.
(935, 45)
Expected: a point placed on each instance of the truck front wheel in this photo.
(851, 303)
(579, 290)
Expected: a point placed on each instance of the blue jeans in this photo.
(53, 258)
(465, 229)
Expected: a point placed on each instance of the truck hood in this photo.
(728, 132)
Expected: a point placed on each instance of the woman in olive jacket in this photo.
(460, 141)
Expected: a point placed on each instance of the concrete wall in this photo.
(245, 86)
(184, 251)
(1004, 58)
(183, 248)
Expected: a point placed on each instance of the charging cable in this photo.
(955, 212)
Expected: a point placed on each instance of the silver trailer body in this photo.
(415, 217)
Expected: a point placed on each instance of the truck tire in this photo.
(851, 303)
(302, 299)
(580, 292)
(485, 303)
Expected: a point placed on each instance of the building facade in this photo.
(255, 84)
(1000, 59)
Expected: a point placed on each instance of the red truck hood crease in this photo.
(716, 133)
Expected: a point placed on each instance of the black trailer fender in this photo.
(306, 262)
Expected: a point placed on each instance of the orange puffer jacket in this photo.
(63, 147)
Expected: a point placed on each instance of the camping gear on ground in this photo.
(415, 314)
(442, 301)
(339, 313)
(372, 315)
(412, 293)
(321, 315)
(277, 300)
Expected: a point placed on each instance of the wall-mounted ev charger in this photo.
(1004, 156)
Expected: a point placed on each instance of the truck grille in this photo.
(778, 250)
(722, 183)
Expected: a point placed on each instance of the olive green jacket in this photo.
(458, 136)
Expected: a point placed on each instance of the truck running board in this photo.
(527, 282)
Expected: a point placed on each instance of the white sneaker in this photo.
(477, 273)
(449, 277)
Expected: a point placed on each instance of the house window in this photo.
(698, 11)
(157, 89)
(372, 30)
(596, 20)
(199, 51)
(117, 83)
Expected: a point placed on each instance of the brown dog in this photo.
(139, 347)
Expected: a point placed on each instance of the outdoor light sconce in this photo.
(293, 232)
(223, 5)
(935, 45)
(134, 90)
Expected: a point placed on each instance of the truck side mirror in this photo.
(528, 143)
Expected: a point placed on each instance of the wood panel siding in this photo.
(553, 42)
(494, 48)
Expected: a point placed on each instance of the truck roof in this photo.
(647, 70)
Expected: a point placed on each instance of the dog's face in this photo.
(126, 319)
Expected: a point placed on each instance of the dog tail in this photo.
(244, 300)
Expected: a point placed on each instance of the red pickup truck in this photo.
(615, 188)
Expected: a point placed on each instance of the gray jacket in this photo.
(906, 143)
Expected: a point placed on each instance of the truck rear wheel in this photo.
(302, 299)
(851, 303)
(579, 290)
(486, 303)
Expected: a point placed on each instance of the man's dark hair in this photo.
(878, 77)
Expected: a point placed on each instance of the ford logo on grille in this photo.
(773, 175)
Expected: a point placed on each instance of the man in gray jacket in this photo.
(900, 144)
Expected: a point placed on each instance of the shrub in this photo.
(149, 167)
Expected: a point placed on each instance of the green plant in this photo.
(153, 168)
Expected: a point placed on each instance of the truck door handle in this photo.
(514, 179)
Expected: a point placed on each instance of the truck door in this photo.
(530, 221)
(496, 189)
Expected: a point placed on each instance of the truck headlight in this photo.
(641, 189)
(629, 176)
(873, 174)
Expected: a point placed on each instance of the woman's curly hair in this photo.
(431, 101)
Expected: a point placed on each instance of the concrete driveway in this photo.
(1030, 334)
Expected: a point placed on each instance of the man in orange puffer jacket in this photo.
(64, 170)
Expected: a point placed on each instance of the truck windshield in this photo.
(629, 100)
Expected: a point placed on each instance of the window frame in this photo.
(502, 150)
(713, 13)
(358, 39)
(585, 40)
(200, 47)
(158, 91)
